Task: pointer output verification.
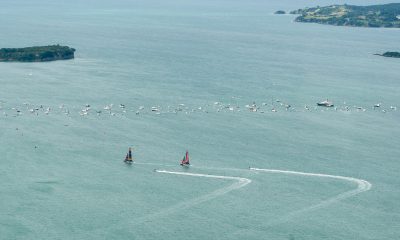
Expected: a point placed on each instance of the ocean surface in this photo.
(201, 65)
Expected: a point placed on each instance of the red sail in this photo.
(185, 160)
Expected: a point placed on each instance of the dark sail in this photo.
(130, 154)
(128, 157)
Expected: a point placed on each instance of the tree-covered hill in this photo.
(386, 15)
(36, 54)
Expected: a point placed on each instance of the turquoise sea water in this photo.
(62, 176)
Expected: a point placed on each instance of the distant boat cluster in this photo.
(216, 107)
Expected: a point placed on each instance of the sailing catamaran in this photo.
(128, 158)
(185, 160)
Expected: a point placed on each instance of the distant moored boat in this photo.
(325, 103)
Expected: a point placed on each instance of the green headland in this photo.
(390, 54)
(386, 15)
(36, 54)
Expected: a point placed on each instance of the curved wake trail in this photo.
(362, 186)
(239, 183)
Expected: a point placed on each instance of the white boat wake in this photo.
(239, 183)
(362, 186)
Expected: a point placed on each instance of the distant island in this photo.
(36, 54)
(390, 54)
(280, 12)
(386, 15)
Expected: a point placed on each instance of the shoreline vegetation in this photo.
(36, 54)
(386, 15)
(389, 54)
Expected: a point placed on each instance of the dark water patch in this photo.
(12, 229)
(48, 182)
(44, 186)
